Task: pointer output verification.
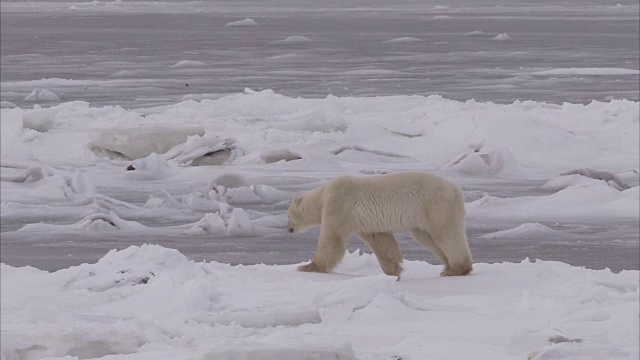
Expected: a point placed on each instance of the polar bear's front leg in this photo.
(385, 247)
(331, 249)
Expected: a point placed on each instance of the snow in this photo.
(42, 95)
(295, 39)
(403, 39)
(188, 64)
(589, 71)
(207, 171)
(474, 138)
(502, 37)
(528, 230)
(475, 33)
(536, 310)
(242, 23)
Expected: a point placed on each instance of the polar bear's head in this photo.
(304, 213)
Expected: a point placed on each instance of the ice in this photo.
(139, 142)
(42, 95)
(475, 33)
(211, 223)
(529, 230)
(153, 167)
(240, 224)
(403, 39)
(585, 200)
(475, 161)
(94, 222)
(502, 37)
(7, 104)
(275, 155)
(295, 39)
(213, 310)
(208, 149)
(589, 71)
(585, 177)
(239, 128)
(441, 17)
(252, 194)
(229, 181)
(188, 64)
(242, 23)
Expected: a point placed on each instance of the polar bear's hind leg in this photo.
(385, 247)
(453, 244)
(424, 238)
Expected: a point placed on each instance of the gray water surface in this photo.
(122, 53)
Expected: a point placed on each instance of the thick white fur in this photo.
(431, 207)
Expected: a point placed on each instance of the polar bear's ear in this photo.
(297, 200)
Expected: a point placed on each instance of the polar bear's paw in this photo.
(312, 267)
(456, 271)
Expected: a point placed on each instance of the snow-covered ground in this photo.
(214, 178)
(127, 123)
(150, 302)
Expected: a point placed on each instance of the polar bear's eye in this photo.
(298, 200)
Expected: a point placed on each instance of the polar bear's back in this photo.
(395, 202)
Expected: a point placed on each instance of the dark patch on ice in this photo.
(557, 339)
(344, 148)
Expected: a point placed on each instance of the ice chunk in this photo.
(240, 224)
(43, 95)
(208, 149)
(242, 23)
(41, 120)
(477, 162)
(609, 177)
(253, 194)
(294, 39)
(7, 104)
(588, 71)
(275, 155)
(188, 64)
(153, 167)
(211, 223)
(139, 142)
(527, 231)
(502, 37)
(475, 33)
(229, 181)
(93, 222)
(403, 40)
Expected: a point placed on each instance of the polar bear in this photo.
(374, 207)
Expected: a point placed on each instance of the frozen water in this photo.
(98, 53)
(503, 37)
(242, 23)
(510, 159)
